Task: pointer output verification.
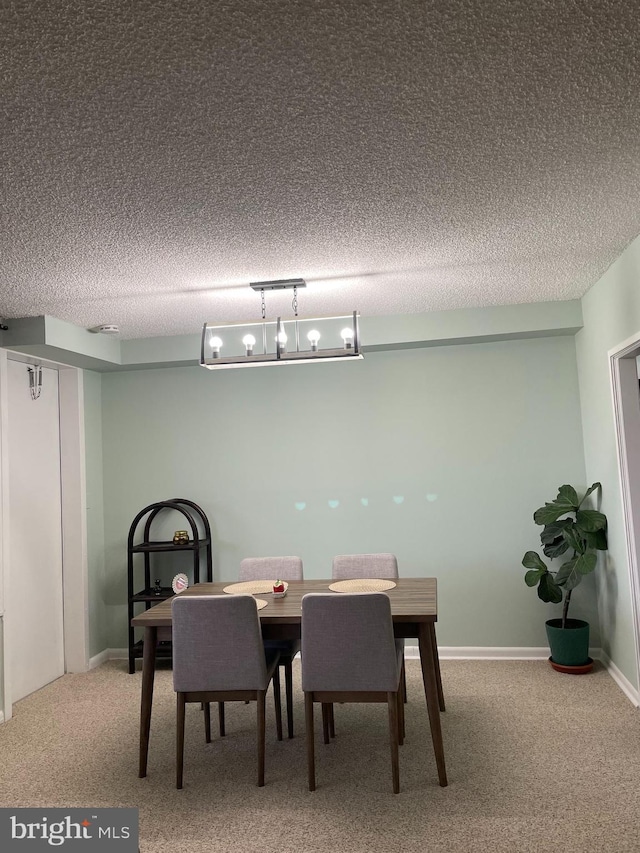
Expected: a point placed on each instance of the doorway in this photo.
(72, 528)
(34, 575)
(623, 363)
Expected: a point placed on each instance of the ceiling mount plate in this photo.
(283, 284)
(105, 329)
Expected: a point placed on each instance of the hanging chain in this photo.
(264, 309)
(294, 304)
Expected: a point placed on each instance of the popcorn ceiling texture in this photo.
(159, 155)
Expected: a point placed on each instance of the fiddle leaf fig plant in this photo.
(567, 529)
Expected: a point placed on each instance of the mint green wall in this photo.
(98, 636)
(452, 448)
(611, 312)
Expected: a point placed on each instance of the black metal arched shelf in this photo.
(149, 595)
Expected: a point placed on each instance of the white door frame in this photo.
(74, 521)
(626, 410)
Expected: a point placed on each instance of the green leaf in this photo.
(556, 548)
(597, 540)
(567, 494)
(532, 561)
(574, 540)
(591, 520)
(533, 576)
(550, 512)
(586, 563)
(567, 575)
(566, 501)
(589, 491)
(548, 589)
(554, 530)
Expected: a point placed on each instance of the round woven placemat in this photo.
(260, 602)
(252, 587)
(362, 585)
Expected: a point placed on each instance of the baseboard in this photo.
(484, 652)
(528, 653)
(631, 692)
(491, 652)
(1, 718)
(100, 658)
(106, 655)
(445, 653)
(118, 654)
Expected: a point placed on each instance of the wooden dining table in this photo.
(413, 607)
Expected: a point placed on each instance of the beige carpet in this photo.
(537, 761)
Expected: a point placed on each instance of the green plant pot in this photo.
(569, 646)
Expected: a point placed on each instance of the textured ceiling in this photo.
(400, 155)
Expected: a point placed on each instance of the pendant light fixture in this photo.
(280, 341)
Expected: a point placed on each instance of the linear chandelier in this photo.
(269, 342)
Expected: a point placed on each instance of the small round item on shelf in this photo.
(180, 583)
(181, 537)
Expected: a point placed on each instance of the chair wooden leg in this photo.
(179, 738)
(288, 686)
(207, 721)
(221, 726)
(392, 703)
(400, 716)
(311, 763)
(277, 701)
(325, 721)
(261, 703)
(404, 681)
(332, 722)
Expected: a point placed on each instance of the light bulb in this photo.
(249, 341)
(216, 343)
(314, 337)
(281, 340)
(347, 337)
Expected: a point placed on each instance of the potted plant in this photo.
(567, 529)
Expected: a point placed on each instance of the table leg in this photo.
(434, 646)
(148, 673)
(429, 679)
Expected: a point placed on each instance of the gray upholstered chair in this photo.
(352, 566)
(286, 569)
(349, 654)
(348, 566)
(266, 568)
(218, 656)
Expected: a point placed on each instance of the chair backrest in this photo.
(347, 566)
(217, 643)
(348, 642)
(267, 568)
